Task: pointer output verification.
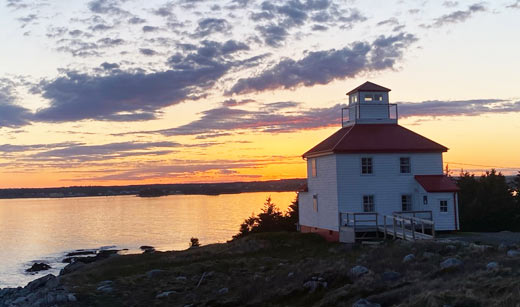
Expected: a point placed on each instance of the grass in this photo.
(270, 270)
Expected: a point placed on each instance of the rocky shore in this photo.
(288, 269)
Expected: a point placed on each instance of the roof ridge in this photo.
(341, 139)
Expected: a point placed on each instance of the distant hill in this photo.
(283, 185)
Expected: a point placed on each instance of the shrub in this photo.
(270, 219)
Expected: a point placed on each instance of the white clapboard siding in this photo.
(324, 185)
(386, 183)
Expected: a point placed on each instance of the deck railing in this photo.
(404, 225)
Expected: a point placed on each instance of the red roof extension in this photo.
(369, 87)
(375, 138)
(437, 183)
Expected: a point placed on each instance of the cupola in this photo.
(369, 104)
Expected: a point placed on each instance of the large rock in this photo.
(358, 271)
(38, 266)
(408, 258)
(48, 281)
(155, 273)
(451, 264)
(69, 268)
(513, 253)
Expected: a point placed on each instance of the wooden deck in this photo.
(355, 226)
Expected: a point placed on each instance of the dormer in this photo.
(369, 104)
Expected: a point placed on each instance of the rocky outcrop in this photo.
(37, 267)
(42, 292)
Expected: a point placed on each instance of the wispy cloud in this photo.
(457, 16)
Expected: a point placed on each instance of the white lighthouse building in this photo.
(373, 172)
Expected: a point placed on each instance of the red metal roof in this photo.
(437, 183)
(375, 138)
(369, 87)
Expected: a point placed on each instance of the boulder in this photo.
(38, 266)
(49, 279)
(513, 253)
(155, 273)
(69, 268)
(365, 303)
(165, 294)
(147, 249)
(358, 271)
(223, 291)
(451, 264)
(492, 266)
(408, 258)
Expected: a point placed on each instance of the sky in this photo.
(116, 92)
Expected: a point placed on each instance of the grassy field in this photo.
(271, 270)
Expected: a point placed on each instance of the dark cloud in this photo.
(11, 114)
(270, 118)
(235, 103)
(322, 67)
(319, 28)
(273, 35)
(390, 21)
(28, 19)
(276, 19)
(457, 16)
(105, 151)
(458, 107)
(16, 4)
(450, 3)
(10, 148)
(106, 7)
(109, 66)
(148, 29)
(209, 26)
(134, 95)
(136, 20)
(148, 52)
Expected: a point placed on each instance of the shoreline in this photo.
(292, 269)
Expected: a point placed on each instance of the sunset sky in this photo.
(114, 92)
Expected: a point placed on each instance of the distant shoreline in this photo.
(283, 185)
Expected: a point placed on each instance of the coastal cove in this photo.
(44, 230)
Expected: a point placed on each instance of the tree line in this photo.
(489, 202)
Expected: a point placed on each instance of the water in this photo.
(46, 229)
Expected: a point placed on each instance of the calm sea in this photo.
(46, 229)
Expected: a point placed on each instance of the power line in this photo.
(490, 166)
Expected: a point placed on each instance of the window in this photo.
(315, 202)
(378, 97)
(366, 165)
(443, 206)
(314, 169)
(368, 203)
(406, 202)
(369, 97)
(425, 199)
(405, 165)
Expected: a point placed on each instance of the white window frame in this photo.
(314, 167)
(409, 166)
(371, 166)
(315, 202)
(370, 203)
(441, 205)
(409, 204)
